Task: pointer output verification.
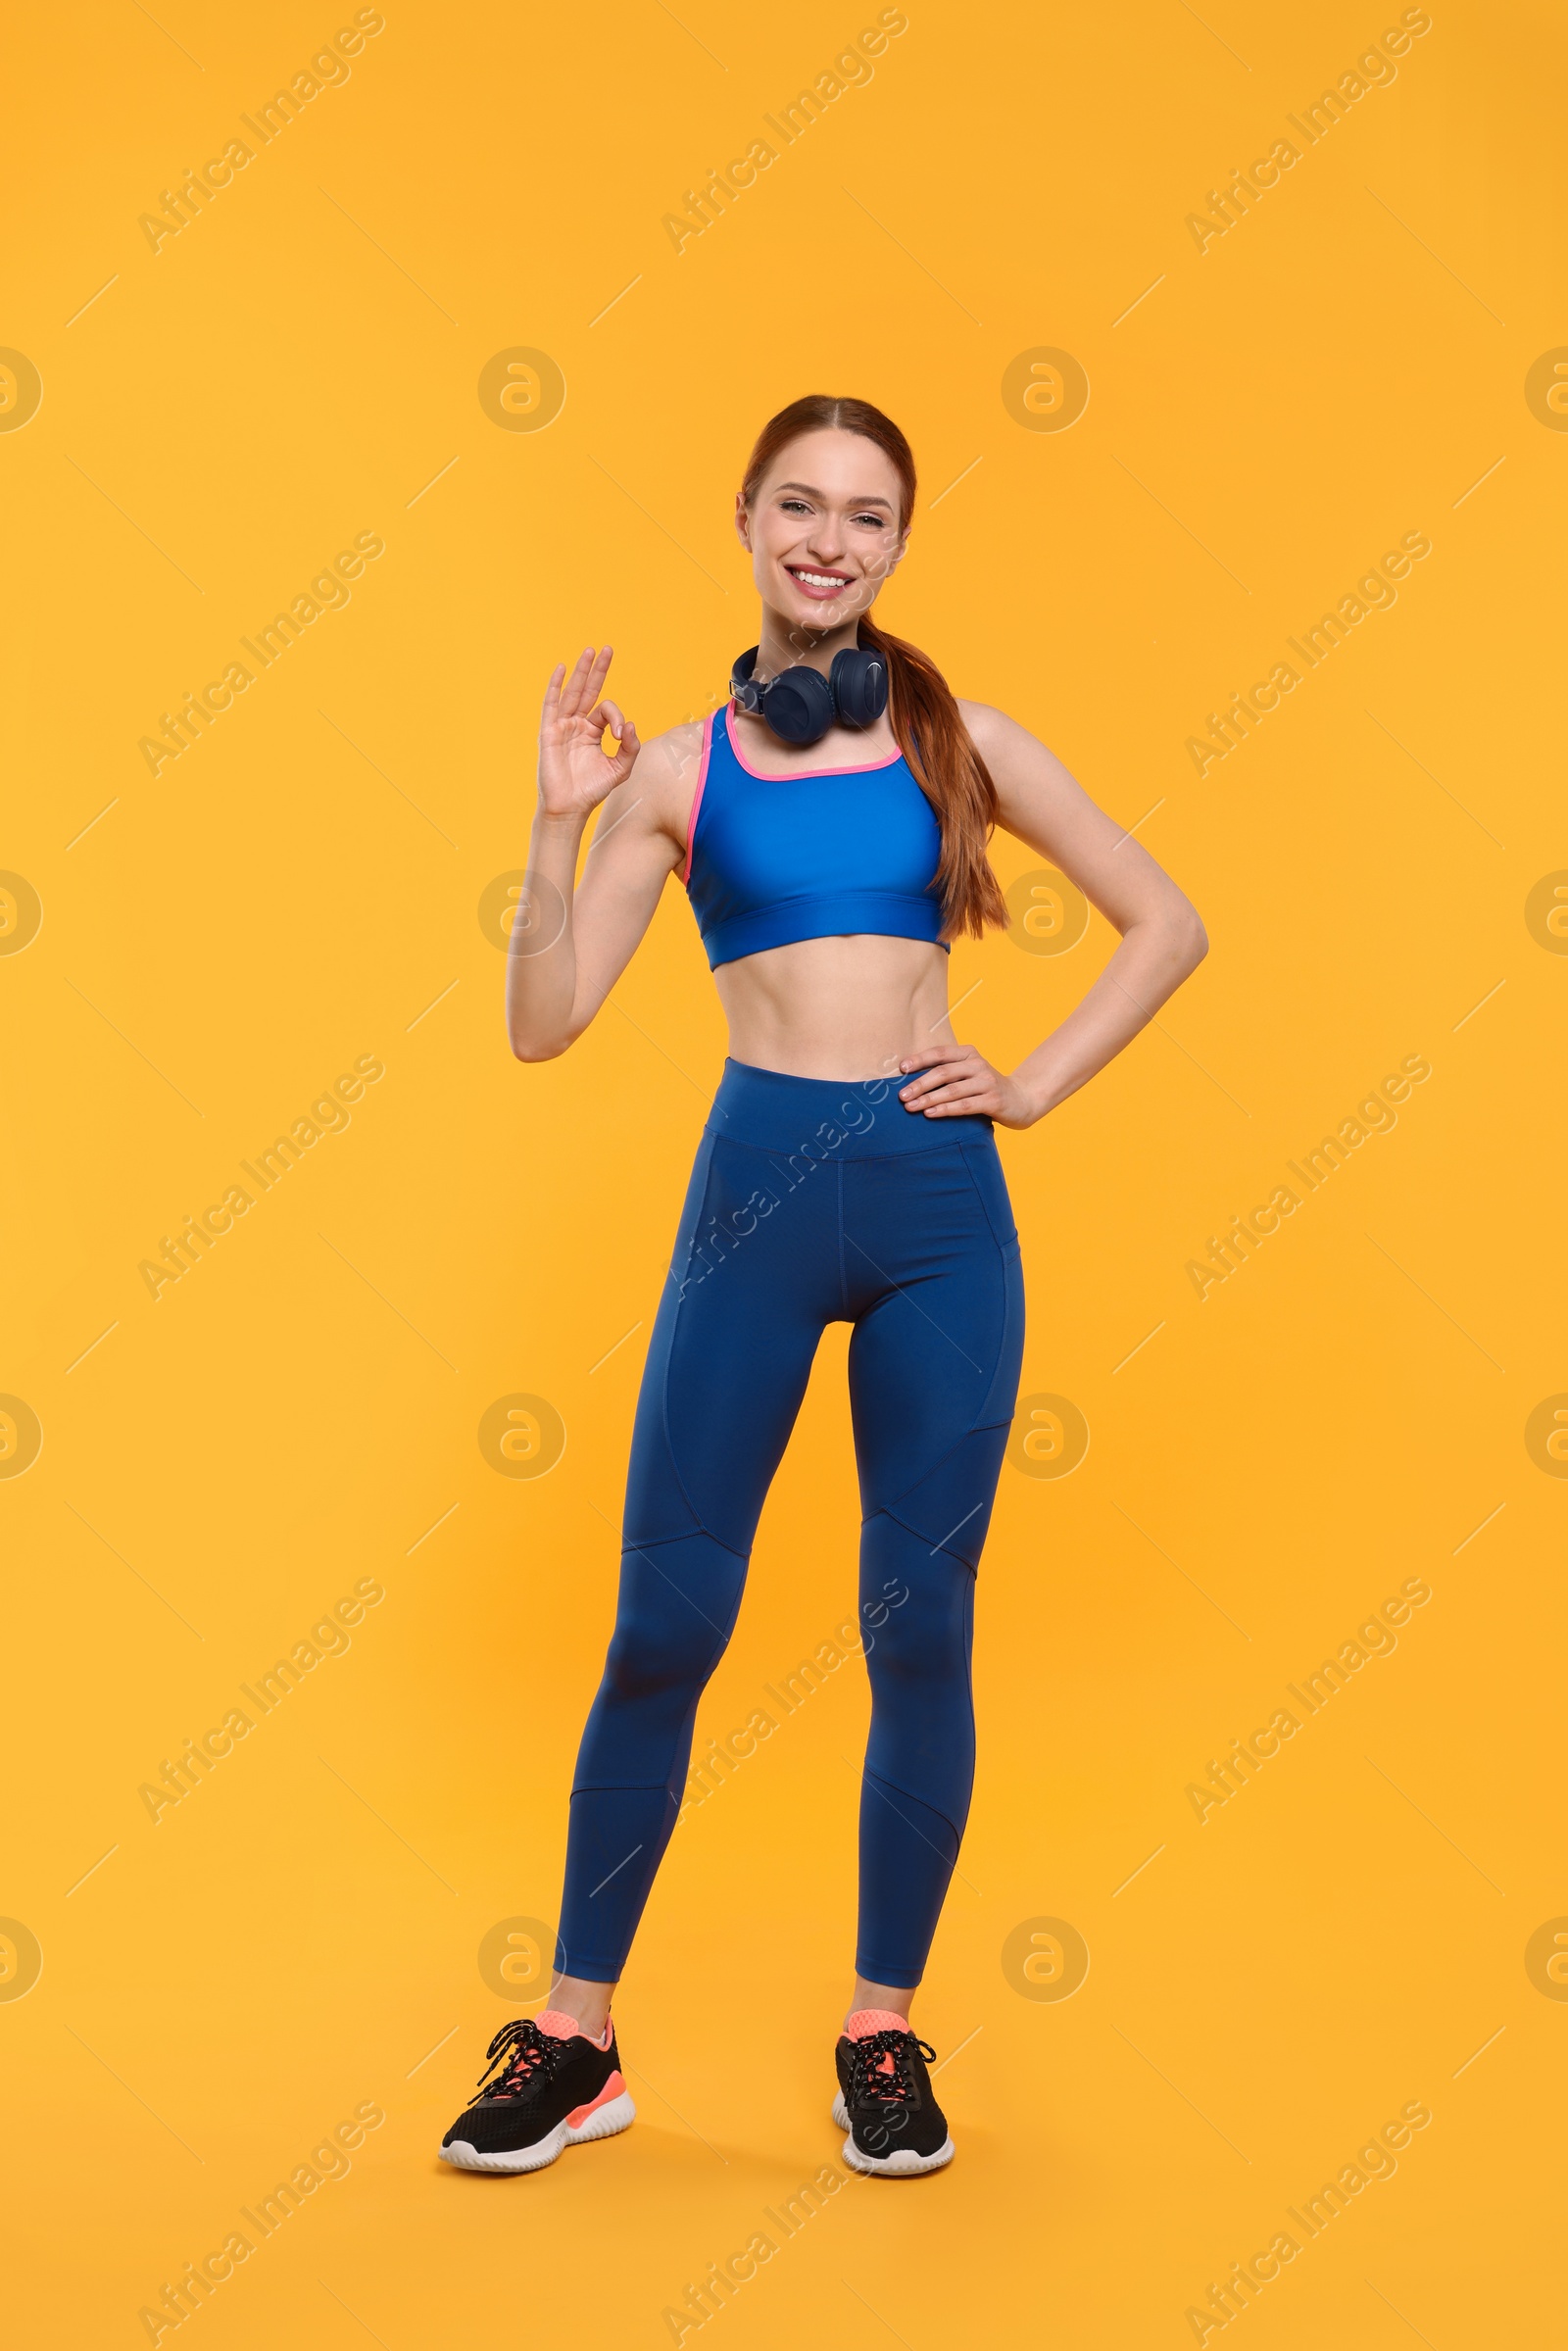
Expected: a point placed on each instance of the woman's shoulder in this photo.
(665, 776)
(668, 756)
(988, 728)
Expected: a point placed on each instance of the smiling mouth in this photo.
(819, 585)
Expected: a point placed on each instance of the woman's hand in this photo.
(956, 1081)
(574, 773)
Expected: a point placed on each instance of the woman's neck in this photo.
(781, 645)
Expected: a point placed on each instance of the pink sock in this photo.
(561, 2027)
(868, 2020)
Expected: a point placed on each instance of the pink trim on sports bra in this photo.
(768, 775)
(697, 795)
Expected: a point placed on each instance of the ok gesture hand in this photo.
(575, 771)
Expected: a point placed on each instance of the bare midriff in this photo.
(850, 1008)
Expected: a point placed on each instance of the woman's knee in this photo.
(646, 1661)
(926, 1642)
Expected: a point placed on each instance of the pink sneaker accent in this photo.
(868, 2020)
(615, 2087)
(561, 2027)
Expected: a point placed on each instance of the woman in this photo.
(830, 826)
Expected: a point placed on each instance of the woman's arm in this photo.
(1161, 942)
(571, 940)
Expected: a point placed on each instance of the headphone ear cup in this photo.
(858, 680)
(797, 703)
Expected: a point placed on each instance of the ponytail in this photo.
(955, 778)
(923, 714)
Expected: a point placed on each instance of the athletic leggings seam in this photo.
(919, 1534)
(888, 1788)
(929, 1469)
(605, 1787)
(1002, 1248)
(702, 1525)
(656, 1543)
(844, 1279)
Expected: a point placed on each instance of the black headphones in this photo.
(799, 704)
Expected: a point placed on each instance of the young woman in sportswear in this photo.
(830, 827)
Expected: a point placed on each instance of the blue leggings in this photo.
(811, 1202)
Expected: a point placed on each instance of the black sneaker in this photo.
(885, 2102)
(556, 2088)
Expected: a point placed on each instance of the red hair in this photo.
(925, 719)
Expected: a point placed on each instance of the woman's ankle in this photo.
(889, 2000)
(588, 2002)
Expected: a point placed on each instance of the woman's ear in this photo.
(743, 522)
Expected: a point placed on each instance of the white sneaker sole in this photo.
(603, 2122)
(902, 2165)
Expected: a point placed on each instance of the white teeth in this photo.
(820, 579)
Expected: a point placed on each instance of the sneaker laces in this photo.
(525, 2056)
(881, 2064)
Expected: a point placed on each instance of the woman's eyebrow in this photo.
(823, 495)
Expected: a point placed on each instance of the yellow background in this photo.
(301, 886)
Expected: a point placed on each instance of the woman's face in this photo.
(823, 529)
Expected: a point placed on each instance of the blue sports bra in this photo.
(773, 858)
